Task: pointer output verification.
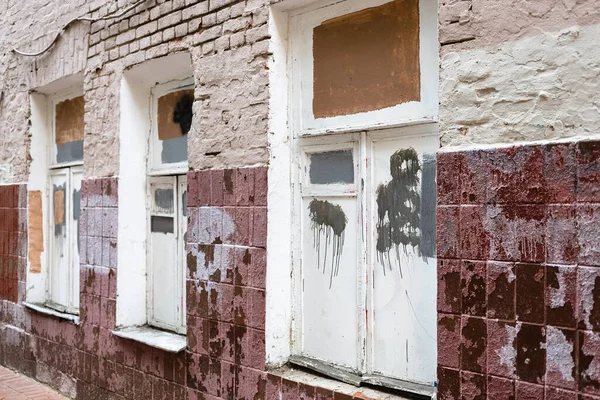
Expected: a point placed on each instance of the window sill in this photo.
(167, 341)
(334, 378)
(42, 309)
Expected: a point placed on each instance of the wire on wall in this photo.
(81, 18)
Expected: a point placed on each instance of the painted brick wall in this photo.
(13, 226)
(519, 272)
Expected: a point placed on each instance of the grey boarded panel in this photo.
(174, 150)
(69, 152)
(427, 221)
(162, 224)
(332, 167)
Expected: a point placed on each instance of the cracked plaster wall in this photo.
(518, 71)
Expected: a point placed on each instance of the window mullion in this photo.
(365, 273)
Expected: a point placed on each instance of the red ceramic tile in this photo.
(530, 292)
(500, 388)
(561, 295)
(501, 348)
(588, 171)
(561, 235)
(448, 178)
(531, 353)
(473, 344)
(448, 231)
(473, 282)
(474, 240)
(448, 384)
(501, 280)
(516, 175)
(474, 177)
(560, 172)
(449, 298)
(449, 338)
(588, 298)
(473, 386)
(588, 228)
(561, 358)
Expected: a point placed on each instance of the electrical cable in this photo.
(81, 18)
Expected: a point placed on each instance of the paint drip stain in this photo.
(182, 114)
(398, 208)
(328, 221)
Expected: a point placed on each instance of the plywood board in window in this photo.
(175, 114)
(35, 228)
(367, 60)
(69, 120)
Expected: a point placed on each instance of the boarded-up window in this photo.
(174, 121)
(367, 60)
(69, 130)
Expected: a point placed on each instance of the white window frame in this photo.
(155, 166)
(359, 132)
(302, 22)
(179, 184)
(66, 94)
(72, 306)
(174, 173)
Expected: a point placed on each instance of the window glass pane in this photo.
(163, 200)
(367, 60)
(69, 130)
(332, 167)
(174, 122)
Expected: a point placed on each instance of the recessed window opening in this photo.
(65, 172)
(362, 115)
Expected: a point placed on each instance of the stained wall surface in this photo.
(518, 225)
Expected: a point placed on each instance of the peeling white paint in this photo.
(559, 354)
(558, 295)
(507, 354)
(586, 282)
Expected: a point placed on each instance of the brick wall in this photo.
(519, 272)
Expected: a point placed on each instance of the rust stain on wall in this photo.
(367, 60)
(59, 207)
(175, 114)
(36, 230)
(69, 120)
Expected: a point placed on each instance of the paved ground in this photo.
(18, 387)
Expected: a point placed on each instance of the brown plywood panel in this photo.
(175, 114)
(69, 120)
(35, 226)
(367, 60)
(59, 207)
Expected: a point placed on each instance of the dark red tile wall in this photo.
(225, 358)
(519, 272)
(13, 226)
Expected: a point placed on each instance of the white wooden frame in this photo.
(179, 184)
(362, 144)
(303, 21)
(155, 166)
(66, 94)
(55, 168)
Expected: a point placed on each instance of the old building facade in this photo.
(199, 199)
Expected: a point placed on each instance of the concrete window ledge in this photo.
(42, 309)
(306, 377)
(167, 341)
